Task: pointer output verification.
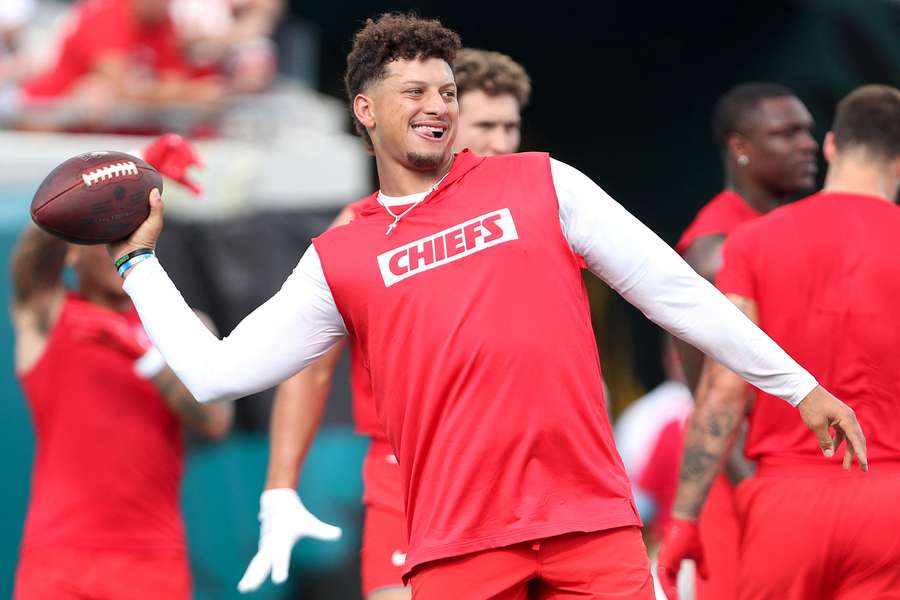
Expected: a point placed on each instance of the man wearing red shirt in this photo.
(820, 276)
(103, 515)
(492, 90)
(764, 133)
(115, 52)
(462, 291)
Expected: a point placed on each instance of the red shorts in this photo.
(61, 574)
(720, 535)
(602, 564)
(820, 533)
(383, 552)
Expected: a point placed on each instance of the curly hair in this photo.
(493, 73)
(391, 37)
(869, 118)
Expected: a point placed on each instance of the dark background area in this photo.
(623, 90)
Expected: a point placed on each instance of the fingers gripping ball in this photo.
(95, 198)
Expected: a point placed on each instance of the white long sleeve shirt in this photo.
(301, 321)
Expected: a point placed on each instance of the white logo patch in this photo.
(447, 246)
(398, 559)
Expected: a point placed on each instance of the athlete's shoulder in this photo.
(720, 216)
(516, 158)
(788, 218)
(358, 208)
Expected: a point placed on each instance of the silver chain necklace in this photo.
(397, 217)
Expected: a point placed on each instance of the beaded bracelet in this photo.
(123, 259)
(133, 261)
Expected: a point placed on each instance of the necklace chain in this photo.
(397, 217)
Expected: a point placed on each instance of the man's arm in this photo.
(704, 256)
(650, 275)
(37, 262)
(720, 405)
(298, 408)
(38, 292)
(291, 330)
(299, 404)
(212, 421)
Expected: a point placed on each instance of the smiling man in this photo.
(492, 90)
(483, 363)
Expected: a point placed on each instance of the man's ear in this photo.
(829, 149)
(364, 110)
(737, 146)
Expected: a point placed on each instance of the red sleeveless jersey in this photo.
(721, 215)
(108, 466)
(473, 321)
(364, 415)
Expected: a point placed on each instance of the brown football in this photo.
(95, 198)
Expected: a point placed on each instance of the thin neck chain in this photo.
(397, 217)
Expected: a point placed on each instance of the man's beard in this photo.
(424, 162)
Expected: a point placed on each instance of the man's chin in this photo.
(423, 161)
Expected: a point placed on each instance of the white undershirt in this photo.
(301, 322)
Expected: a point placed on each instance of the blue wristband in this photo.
(133, 261)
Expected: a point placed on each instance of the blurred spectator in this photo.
(115, 55)
(231, 38)
(14, 14)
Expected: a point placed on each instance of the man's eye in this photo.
(450, 94)
(414, 91)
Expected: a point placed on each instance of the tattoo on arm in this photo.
(180, 399)
(711, 432)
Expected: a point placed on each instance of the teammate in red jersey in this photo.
(103, 517)
(820, 276)
(492, 89)
(461, 289)
(764, 133)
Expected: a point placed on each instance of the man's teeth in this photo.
(434, 131)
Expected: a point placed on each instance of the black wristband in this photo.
(123, 259)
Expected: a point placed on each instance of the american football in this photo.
(95, 198)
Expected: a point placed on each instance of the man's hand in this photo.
(172, 156)
(681, 541)
(821, 411)
(146, 235)
(283, 521)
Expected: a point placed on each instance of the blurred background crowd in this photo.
(622, 90)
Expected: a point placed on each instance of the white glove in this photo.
(283, 521)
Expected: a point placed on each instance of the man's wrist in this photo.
(684, 516)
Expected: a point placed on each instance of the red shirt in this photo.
(659, 478)
(364, 414)
(719, 216)
(474, 323)
(825, 278)
(108, 466)
(99, 28)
